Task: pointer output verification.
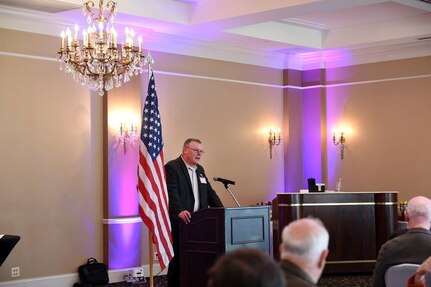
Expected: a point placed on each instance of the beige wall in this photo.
(388, 107)
(50, 171)
(51, 144)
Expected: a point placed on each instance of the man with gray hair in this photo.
(303, 251)
(411, 247)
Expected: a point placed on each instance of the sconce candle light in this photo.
(273, 140)
(128, 133)
(340, 141)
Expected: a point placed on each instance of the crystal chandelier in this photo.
(98, 62)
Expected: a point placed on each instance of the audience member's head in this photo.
(245, 268)
(305, 243)
(418, 212)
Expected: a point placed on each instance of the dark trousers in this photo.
(174, 272)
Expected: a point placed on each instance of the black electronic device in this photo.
(7, 243)
(312, 187)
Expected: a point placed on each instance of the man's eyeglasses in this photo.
(196, 150)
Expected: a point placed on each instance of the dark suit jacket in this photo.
(411, 247)
(294, 275)
(181, 192)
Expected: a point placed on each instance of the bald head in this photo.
(305, 243)
(305, 238)
(419, 212)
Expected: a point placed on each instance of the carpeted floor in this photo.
(361, 280)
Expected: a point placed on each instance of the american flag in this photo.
(153, 194)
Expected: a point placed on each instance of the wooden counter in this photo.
(358, 224)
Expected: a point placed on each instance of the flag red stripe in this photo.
(148, 210)
(159, 232)
(151, 203)
(160, 170)
(157, 220)
(161, 196)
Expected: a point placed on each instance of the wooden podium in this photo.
(215, 231)
(358, 224)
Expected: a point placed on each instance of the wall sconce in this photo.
(128, 134)
(273, 140)
(339, 141)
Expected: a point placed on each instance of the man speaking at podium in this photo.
(189, 190)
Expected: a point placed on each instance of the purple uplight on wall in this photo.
(124, 225)
(122, 181)
(311, 137)
(125, 245)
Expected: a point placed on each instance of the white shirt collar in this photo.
(189, 166)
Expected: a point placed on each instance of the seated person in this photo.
(245, 267)
(303, 252)
(398, 233)
(412, 247)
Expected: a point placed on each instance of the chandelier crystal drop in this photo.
(97, 61)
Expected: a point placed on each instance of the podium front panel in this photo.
(247, 227)
(205, 231)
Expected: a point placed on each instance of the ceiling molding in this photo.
(286, 55)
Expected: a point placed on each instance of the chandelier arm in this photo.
(112, 6)
(112, 71)
(81, 67)
(88, 7)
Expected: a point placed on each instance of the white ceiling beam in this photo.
(282, 33)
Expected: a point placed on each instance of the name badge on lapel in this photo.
(202, 179)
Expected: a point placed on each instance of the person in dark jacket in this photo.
(189, 190)
(412, 247)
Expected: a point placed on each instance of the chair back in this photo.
(397, 275)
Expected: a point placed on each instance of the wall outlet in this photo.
(138, 272)
(15, 271)
(156, 256)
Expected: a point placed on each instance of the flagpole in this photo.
(150, 61)
(153, 203)
(150, 248)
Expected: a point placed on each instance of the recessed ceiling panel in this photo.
(282, 33)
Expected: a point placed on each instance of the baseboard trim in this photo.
(67, 280)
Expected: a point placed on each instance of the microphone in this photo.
(224, 181)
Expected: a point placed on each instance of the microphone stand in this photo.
(231, 194)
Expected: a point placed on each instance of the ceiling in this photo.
(274, 33)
